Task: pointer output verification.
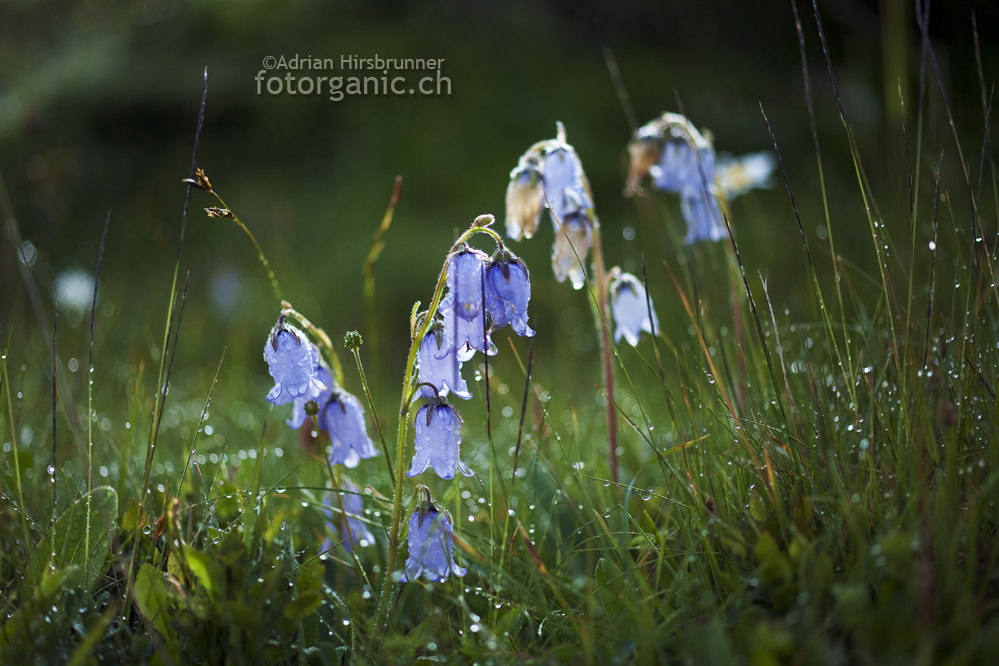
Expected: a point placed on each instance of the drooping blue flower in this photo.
(430, 546)
(344, 419)
(564, 183)
(438, 365)
(524, 197)
(463, 308)
(703, 216)
(631, 309)
(292, 361)
(554, 166)
(298, 415)
(680, 159)
(508, 291)
(353, 508)
(438, 439)
(678, 166)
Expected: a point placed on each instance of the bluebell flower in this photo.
(353, 507)
(678, 166)
(463, 309)
(564, 183)
(508, 291)
(291, 361)
(703, 216)
(524, 197)
(438, 439)
(298, 413)
(631, 309)
(555, 164)
(673, 153)
(680, 159)
(344, 419)
(438, 365)
(430, 545)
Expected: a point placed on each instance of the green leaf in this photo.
(130, 519)
(18, 628)
(63, 546)
(757, 505)
(306, 604)
(152, 598)
(310, 577)
(203, 568)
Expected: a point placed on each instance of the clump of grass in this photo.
(823, 492)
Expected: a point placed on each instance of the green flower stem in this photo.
(287, 309)
(260, 253)
(388, 583)
(371, 406)
(13, 450)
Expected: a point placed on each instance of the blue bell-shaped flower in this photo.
(291, 361)
(438, 439)
(353, 509)
(508, 291)
(344, 419)
(703, 216)
(430, 544)
(298, 413)
(631, 309)
(439, 366)
(463, 308)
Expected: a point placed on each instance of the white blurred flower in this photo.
(73, 293)
(631, 309)
(738, 175)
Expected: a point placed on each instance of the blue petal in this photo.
(344, 419)
(431, 548)
(438, 442)
(703, 216)
(353, 507)
(438, 365)
(508, 291)
(563, 181)
(678, 167)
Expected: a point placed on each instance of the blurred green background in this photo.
(99, 101)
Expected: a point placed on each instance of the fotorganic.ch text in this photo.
(305, 76)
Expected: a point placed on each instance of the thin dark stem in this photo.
(933, 267)
(90, 397)
(652, 322)
(52, 472)
(622, 92)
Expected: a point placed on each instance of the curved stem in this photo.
(388, 583)
(371, 406)
(260, 253)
